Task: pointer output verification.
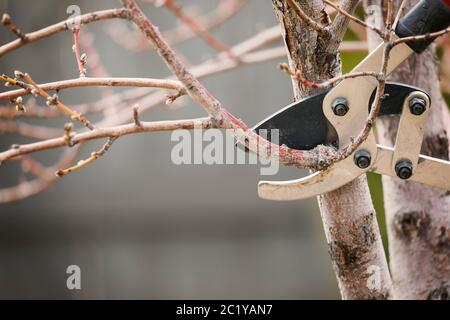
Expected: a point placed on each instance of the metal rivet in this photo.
(340, 107)
(417, 106)
(363, 159)
(404, 169)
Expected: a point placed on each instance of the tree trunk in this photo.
(348, 215)
(417, 216)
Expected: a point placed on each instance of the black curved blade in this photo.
(302, 125)
(394, 96)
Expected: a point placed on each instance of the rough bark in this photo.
(348, 215)
(417, 216)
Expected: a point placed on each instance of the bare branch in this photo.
(389, 18)
(137, 122)
(197, 28)
(220, 116)
(62, 26)
(132, 41)
(400, 12)
(353, 18)
(111, 132)
(427, 36)
(68, 134)
(331, 82)
(80, 59)
(6, 21)
(341, 22)
(95, 82)
(84, 163)
(34, 88)
(46, 178)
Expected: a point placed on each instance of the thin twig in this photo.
(400, 13)
(6, 21)
(121, 13)
(27, 189)
(389, 19)
(84, 163)
(198, 28)
(81, 59)
(331, 82)
(96, 82)
(96, 66)
(100, 133)
(133, 41)
(341, 22)
(53, 100)
(424, 37)
(68, 134)
(137, 122)
(353, 18)
(221, 117)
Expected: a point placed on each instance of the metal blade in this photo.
(394, 98)
(320, 182)
(311, 122)
(302, 125)
(317, 183)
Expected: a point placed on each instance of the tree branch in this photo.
(96, 82)
(197, 28)
(112, 132)
(220, 116)
(77, 51)
(342, 20)
(6, 21)
(62, 26)
(132, 41)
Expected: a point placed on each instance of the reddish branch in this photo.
(29, 85)
(80, 59)
(221, 117)
(197, 28)
(43, 180)
(133, 41)
(111, 132)
(63, 26)
(353, 18)
(6, 21)
(187, 82)
(98, 82)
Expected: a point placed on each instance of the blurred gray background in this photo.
(139, 226)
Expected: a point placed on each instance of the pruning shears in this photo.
(335, 116)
